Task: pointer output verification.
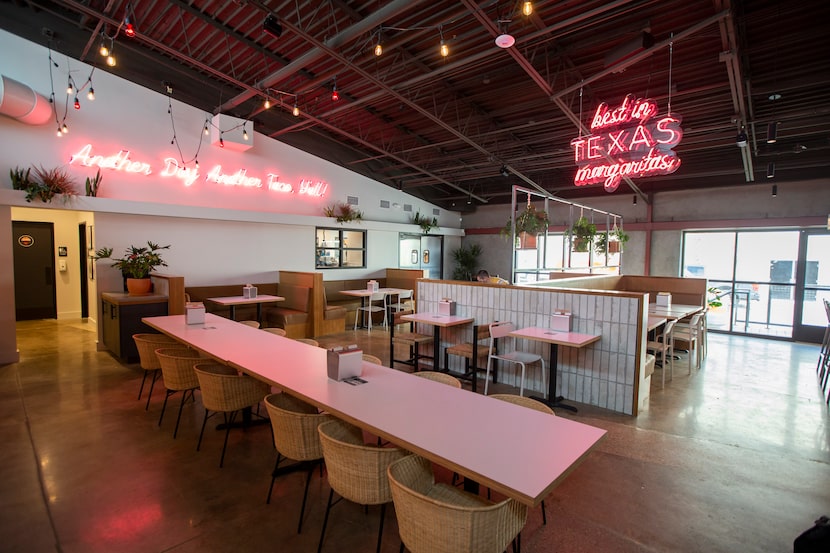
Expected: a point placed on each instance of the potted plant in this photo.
(582, 234)
(136, 265)
(45, 184)
(466, 262)
(92, 184)
(529, 223)
(611, 241)
(425, 223)
(343, 213)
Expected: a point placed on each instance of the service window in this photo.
(340, 248)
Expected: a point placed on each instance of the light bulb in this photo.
(221, 142)
(77, 103)
(111, 60)
(267, 104)
(296, 110)
(527, 8)
(69, 89)
(244, 134)
(207, 131)
(103, 50)
(59, 133)
(445, 50)
(335, 95)
(90, 95)
(197, 163)
(64, 129)
(378, 49)
(129, 30)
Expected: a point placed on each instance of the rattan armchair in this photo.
(178, 375)
(147, 344)
(437, 518)
(227, 394)
(295, 423)
(443, 378)
(356, 471)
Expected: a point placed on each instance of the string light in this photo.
(207, 130)
(69, 88)
(111, 60)
(59, 133)
(64, 129)
(334, 94)
(378, 49)
(90, 95)
(103, 50)
(445, 50)
(77, 103)
(244, 132)
(129, 29)
(527, 8)
(267, 103)
(296, 110)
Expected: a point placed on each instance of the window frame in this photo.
(339, 248)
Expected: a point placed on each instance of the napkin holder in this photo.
(446, 307)
(249, 292)
(194, 313)
(560, 321)
(664, 299)
(372, 286)
(344, 362)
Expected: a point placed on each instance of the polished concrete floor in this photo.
(735, 457)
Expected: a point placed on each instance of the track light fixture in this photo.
(504, 171)
(772, 133)
(741, 139)
(634, 200)
(770, 169)
(774, 190)
(272, 26)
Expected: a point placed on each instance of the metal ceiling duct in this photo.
(23, 103)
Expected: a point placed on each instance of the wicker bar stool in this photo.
(227, 394)
(369, 358)
(178, 375)
(437, 518)
(442, 378)
(147, 344)
(356, 471)
(295, 423)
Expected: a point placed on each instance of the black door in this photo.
(34, 270)
(84, 258)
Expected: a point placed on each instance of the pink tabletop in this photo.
(426, 417)
(241, 300)
(366, 293)
(436, 319)
(572, 339)
(676, 311)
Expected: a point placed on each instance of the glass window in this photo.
(336, 248)
(709, 255)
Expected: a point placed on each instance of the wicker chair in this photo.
(309, 341)
(443, 378)
(252, 324)
(275, 330)
(178, 376)
(227, 394)
(411, 339)
(147, 344)
(295, 423)
(437, 518)
(356, 471)
(530, 403)
(369, 358)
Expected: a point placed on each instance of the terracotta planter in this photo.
(139, 286)
(613, 247)
(526, 241)
(580, 245)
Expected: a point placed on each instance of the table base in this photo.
(557, 403)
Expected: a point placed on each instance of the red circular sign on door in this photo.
(26, 241)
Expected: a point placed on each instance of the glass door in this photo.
(812, 286)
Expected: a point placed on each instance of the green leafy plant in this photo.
(466, 262)
(20, 178)
(46, 184)
(528, 221)
(582, 234)
(92, 184)
(604, 240)
(343, 213)
(425, 223)
(136, 262)
(713, 296)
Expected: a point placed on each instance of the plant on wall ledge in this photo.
(92, 184)
(611, 242)
(20, 179)
(343, 213)
(46, 184)
(582, 234)
(425, 223)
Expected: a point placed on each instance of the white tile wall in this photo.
(600, 374)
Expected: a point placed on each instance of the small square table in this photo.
(438, 322)
(232, 301)
(555, 338)
(365, 293)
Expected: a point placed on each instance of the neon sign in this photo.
(190, 175)
(627, 141)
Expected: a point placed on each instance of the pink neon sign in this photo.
(190, 175)
(627, 141)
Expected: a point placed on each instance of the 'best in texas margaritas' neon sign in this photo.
(189, 175)
(627, 141)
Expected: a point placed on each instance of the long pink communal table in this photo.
(425, 417)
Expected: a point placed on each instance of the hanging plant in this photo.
(612, 241)
(343, 213)
(582, 234)
(528, 221)
(425, 223)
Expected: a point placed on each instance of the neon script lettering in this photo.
(118, 162)
(628, 141)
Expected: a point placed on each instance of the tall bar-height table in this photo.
(555, 338)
